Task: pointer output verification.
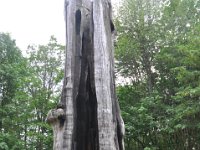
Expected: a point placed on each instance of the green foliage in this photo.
(29, 87)
(161, 57)
(12, 71)
(3, 146)
(157, 48)
(46, 72)
(10, 142)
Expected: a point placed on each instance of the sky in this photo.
(33, 21)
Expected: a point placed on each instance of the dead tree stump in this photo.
(88, 116)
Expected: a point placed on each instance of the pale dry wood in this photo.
(102, 67)
(92, 119)
(55, 117)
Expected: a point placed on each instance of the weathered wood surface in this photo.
(92, 119)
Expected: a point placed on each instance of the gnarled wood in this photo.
(56, 117)
(92, 115)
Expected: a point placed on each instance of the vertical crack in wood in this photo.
(78, 21)
(86, 130)
(92, 116)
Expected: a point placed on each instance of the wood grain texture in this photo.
(92, 115)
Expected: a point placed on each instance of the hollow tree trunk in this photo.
(88, 116)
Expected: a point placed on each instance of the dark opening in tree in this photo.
(88, 116)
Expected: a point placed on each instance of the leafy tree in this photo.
(12, 71)
(138, 39)
(29, 88)
(46, 73)
(182, 86)
(165, 115)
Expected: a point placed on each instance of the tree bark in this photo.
(90, 118)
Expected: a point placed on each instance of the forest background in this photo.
(157, 52)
